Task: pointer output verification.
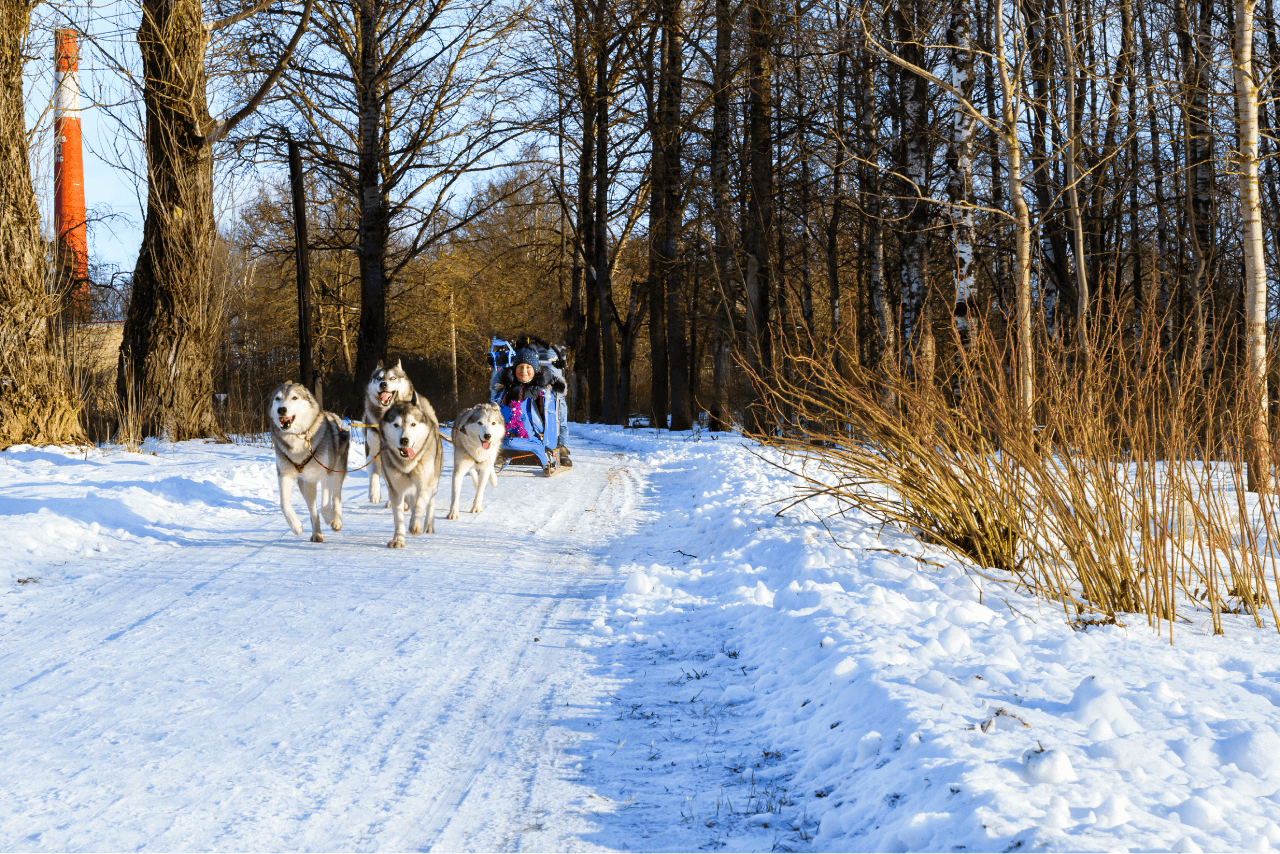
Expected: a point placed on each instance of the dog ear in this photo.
(379, 364)
(398, 368)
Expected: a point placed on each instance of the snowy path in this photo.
(228, 685)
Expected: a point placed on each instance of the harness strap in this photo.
(300, 466)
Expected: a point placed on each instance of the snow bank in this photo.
(917, 707)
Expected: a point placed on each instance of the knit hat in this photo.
(528, 356)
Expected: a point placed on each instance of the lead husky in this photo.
(477, 436)
(386, 387)
(412, 455)
(310, 446)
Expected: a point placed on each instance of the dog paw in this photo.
(453, 514)
(297, 529)
(336, 524)
(477, 509)
(397, 543)
(415, 530)
(317, 537)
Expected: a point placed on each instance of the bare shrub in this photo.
(1126, 495)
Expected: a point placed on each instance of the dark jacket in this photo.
(544, 377)
(510, 387)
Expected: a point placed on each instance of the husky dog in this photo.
(477, 436)
(310, 446)
(412, 455)
(387, 386)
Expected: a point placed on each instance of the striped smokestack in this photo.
(68, 172)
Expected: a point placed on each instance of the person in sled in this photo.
(525, 379)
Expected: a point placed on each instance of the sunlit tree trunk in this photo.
(175, 311)
(1255, 266)
(1021, 218)
(960, 161)
(37, 404)
(1073, 201)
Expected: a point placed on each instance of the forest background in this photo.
(701, 200)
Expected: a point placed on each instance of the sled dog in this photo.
(387, 386)
(477, 436)
(310, 446)
(412, 455)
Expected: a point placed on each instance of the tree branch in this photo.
(223, 128)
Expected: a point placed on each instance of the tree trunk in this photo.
(839, 157)
(668, 130)
(886, 349)
(759, 226)
(608, 344)
(1073, 203)
(1196, 47)
(726, 273)
(374, 226)
(960, 163)
(174, 314)
(37, 403)
(1257, 443)
(1022, 221)
(917, 302)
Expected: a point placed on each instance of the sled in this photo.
(545, 446)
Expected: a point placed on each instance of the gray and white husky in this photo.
(387, 387)
(412, 455)
(477, 436)
(311, 446)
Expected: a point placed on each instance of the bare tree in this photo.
(395, 104)
(37, 404)
(173, 318)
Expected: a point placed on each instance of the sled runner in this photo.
(544, 415)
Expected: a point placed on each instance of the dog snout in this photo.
(486, 436)
(404, 441)
(282, 411)
(382, 386)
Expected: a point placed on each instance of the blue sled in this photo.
(547, 434)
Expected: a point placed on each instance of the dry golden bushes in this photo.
(1123, 492)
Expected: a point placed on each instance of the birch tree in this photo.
(960, 160)
(1255, 269)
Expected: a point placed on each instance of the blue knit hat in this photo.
(528, 356)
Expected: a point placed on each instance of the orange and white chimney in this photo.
(68, 169)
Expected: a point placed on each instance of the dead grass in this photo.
(1123, 492)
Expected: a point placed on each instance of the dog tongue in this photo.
(484, 445)
(408, 452)
(386, 397)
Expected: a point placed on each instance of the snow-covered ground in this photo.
(642, 653)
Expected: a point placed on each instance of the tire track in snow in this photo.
(462, 828)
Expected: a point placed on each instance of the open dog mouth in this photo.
(286, 421)
(406, 452)
(485, 445)
(385, 397)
